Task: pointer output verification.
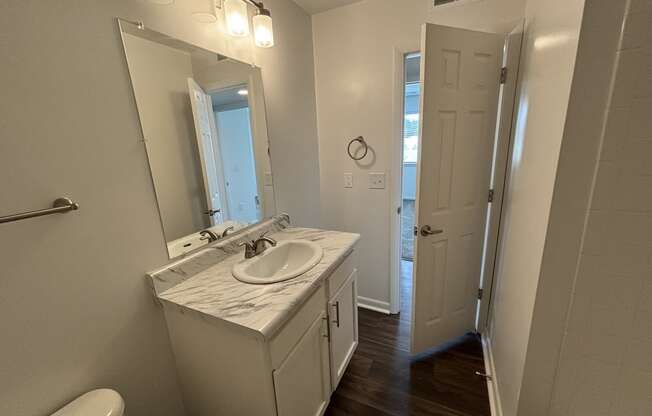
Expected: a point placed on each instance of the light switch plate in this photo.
(376, 180)
(348, 180)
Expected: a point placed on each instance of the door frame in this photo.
(500, 176)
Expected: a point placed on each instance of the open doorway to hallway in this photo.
(410, 146)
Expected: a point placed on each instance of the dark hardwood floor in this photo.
(383, 379)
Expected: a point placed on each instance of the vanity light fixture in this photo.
(243, 92)
(237, 21)
(263, 32)
(235, 12)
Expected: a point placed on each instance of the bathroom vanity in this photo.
(268, 335)
(261, 349)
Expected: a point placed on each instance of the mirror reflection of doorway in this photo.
(236, 153)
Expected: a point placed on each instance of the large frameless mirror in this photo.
(205, 131)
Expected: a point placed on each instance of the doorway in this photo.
(410, 150)
(235, 150)
(455, 126)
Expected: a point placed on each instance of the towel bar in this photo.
(60, 205)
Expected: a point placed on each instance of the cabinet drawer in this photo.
(341, 274)
(283, 342)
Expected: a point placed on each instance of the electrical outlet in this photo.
(376, 180)
(348, 180)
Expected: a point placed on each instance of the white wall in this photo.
(354, 74)
(547, 63)
(75, 311)
(483, 15)
(601, 26)
(604, 366)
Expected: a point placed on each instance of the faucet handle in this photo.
(264, 235)
(225, 232)
(250, 248)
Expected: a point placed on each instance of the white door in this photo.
(202, 111)
(302, 381)
(460, 83)
(343, 309)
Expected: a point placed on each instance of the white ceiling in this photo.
(318, 6)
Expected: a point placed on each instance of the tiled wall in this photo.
(606, 361)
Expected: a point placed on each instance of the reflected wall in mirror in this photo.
(205, 131)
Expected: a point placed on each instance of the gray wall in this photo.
(75, 312)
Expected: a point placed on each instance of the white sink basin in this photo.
(287, 260)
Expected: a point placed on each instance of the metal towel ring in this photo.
(361, 140)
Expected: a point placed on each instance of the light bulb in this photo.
(236, 17)
(263, 31)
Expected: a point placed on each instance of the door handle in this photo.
(212, 212)
(337, 314)
(426, 231)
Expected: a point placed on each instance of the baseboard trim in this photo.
(492, 385)
(373, 305)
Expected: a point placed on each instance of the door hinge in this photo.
(415, 230)
(398, 210)
(503, 75)
(491, 195)
(480, 292)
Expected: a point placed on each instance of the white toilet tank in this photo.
(100, 402)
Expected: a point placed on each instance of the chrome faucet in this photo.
(259, 245)
(226, 231)
(208, 235)
(256, 247)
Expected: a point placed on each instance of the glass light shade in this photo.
(237, 21)
(263, 32)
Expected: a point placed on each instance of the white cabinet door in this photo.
(343, 309)
(302, 381)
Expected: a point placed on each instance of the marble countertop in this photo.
(215, 293)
